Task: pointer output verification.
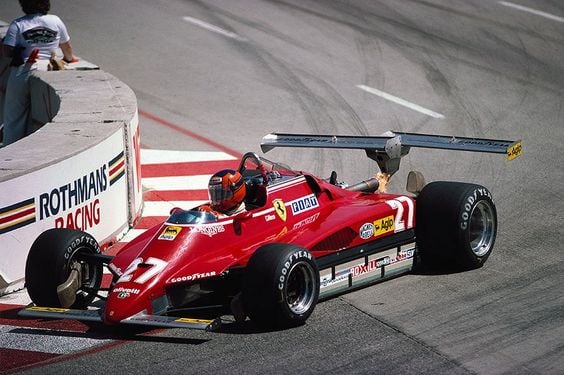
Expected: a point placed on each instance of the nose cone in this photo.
(125, 300)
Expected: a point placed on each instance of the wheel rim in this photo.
(300, 290)
(482, 228)
(91, 273)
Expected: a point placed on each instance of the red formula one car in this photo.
(302, 239)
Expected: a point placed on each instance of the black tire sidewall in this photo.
(265, 284)
(442, 224)
(48, 263)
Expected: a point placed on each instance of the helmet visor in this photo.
(219, 194)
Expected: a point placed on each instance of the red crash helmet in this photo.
(226, 189)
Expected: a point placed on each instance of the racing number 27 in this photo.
(154, 267)
(399, 222)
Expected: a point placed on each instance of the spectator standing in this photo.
(4, 72)
(30, 42)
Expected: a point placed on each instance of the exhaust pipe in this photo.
(366, 186)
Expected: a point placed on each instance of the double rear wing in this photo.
(388, 149)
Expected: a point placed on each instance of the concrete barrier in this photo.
(81, 169)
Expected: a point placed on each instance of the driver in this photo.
(227, 191)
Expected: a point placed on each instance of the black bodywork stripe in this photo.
(376, 246)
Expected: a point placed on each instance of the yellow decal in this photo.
(170, 233)
(47, 309)
(280, 208)
(514, 150)
(196, 321)
(384, 225)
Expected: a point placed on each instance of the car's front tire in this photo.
(456, 225)
(52, 258)
(281, 286)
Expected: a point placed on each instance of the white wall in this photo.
(80, 170)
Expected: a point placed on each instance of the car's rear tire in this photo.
(456, 225)
(281, 286)
(50, 260)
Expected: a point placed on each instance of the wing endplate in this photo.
(61, 313)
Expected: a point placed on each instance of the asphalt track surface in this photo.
(232, 71)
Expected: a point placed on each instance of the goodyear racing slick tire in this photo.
(456, 225)
(281, 286)
(50, 261)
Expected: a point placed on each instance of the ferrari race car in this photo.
(302, 239)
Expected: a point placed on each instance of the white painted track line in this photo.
(176, 182)
(532, 11)
(401, 101)
(214, 28)
(150, 156)
(131, 234)
(162, 208)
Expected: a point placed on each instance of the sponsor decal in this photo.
(208, 230)
(363, 269)
(73, 194)
(278, 235)
(304, 204)
(116, 168)
(170, 233)
(82, 218)
(280, 208)
(47, 309)
(121, 290)
(123, 295)
(366, 231)
(327, 281)
(374, 264)
(17, 215)
(193, 277)
(384, 225)
(74, 205)
(307, 221)
(514, 150)
(192, 320)
(268, 218)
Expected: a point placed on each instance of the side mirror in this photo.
(240, 219)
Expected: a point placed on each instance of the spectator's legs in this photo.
(4, 74)
(16, 106)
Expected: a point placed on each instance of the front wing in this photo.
(138, 319)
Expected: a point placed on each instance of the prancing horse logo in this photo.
(280, 208)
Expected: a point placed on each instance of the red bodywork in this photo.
(292, 208)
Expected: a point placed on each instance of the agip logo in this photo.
(384, 225)
(170, 233)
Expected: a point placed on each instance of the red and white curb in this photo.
(170, 179)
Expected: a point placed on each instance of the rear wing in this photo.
(388, 148)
